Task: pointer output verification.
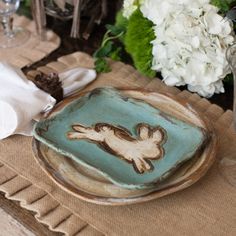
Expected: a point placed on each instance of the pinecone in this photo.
(49, 83)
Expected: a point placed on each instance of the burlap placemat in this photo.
(206, 208)
(34, 49)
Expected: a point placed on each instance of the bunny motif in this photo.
(120, 142)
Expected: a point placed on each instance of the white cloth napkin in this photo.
(21, 101)
(76, 79)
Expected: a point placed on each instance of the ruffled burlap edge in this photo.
(48, 210)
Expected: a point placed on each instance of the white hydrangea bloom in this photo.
(190, 45)
(129, 7)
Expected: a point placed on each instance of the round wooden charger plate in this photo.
(92, 187)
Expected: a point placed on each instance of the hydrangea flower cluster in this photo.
(190, 44)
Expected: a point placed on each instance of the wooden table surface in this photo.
(18, 221)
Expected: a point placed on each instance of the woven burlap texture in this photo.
(34, 49)
(206, 208)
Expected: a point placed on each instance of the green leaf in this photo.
(121, 22)
(25, 9)
(101, 65)
(223, 5)
(109, 46)
(27, 3)
(115, 54)
(229, 79)
(104, 51)
(115, 30)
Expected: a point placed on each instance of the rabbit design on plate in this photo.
(120, 142)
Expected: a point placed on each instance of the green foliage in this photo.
(223, 5)
(136, 34)
(122, 23)
(108, 48)
(121, 20)
(229, 79)
(138, 42)
(101, 65)
(26, 3)
(25, 9)
(104, 50)
(116, 54)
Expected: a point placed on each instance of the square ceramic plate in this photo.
(129, 141)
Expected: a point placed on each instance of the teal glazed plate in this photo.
(133, 138)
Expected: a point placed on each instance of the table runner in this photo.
(206, 208)
(34, 49)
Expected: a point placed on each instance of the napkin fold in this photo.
(21, 101)
(76, 79)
